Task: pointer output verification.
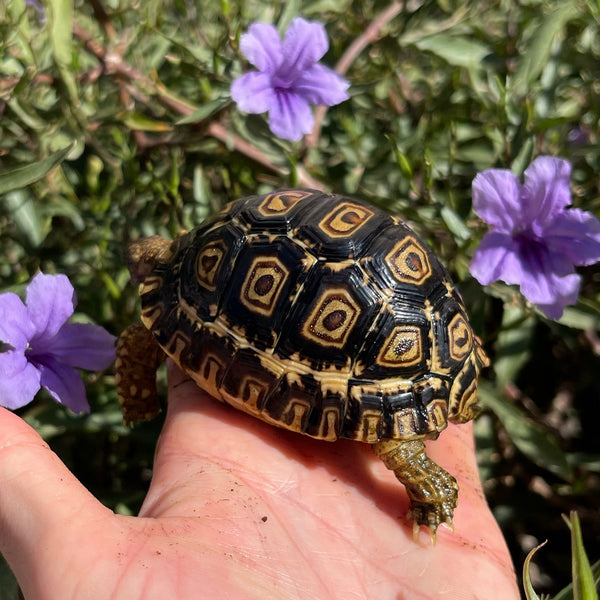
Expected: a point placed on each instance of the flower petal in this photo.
(576, 234)
(82, 345)
(50, 302)
(290, 117)
(253, 92)
(546, 190)
(262, 47)
(16, 327)
(547, 278)
(321, 85)
(304, 44)
(64, 384)
(550, 292)
(496, 199)
(496, 258)
(19, 380)
(544, 278)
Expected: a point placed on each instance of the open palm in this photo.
(238, 509)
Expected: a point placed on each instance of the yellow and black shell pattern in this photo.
(320, 314)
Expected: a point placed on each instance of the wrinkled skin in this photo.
(240, 510)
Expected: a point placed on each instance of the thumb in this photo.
(43, 507)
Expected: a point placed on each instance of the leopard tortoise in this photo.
(316, 313)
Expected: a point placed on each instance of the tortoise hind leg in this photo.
(138, 357)
(433, 492)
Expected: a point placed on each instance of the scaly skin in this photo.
(138, 357)
(433, 492)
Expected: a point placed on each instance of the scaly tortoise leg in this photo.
(433, 492)
(138, 357)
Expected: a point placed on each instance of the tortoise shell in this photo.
(317, 313)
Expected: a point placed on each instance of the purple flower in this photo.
(535, 240)
(39, 348)
(289, 78)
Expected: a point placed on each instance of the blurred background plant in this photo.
(116, 121)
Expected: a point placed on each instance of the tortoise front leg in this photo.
(138, 357)
(433, 492)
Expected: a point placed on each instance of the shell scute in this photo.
(327, 320)
(251, 381)
(398, 345)
(398, 260)
(343, 230)
(454, 338)
(206, 267)
(257, 302)
(279, 212)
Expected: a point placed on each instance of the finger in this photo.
(42, 505)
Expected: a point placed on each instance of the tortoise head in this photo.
(142, 256)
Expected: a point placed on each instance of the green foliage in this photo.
(584, 585)
(528, 587)
(533, 440)
(585, 577)
(117, 123)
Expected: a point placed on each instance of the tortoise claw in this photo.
(431, 528)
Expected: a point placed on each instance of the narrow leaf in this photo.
(584, 587)
(456, 224)
(581, 317)
(24, 176)
(514, 344)
(529, 591)
(536, 55)
(528, 436)
(138, 122)
(25, 216)
(567, 592)
(290, 11)
(205, 111)
(460, 52)
(61, 37)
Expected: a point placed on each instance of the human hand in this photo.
(238, 509)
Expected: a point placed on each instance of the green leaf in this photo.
(24, 214)
(460, 52)
(138, 122)
(317, 8)
(581, 317)
(65, 208)
(61, 37)
(205, 111)
(567, 592)
(513, 345)
(455, 224)
(536, 55)
(290, 11)
(584, 460)
(530, 438)
(24, 176)
(529, 591)
(524, 157)
(584, 587)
